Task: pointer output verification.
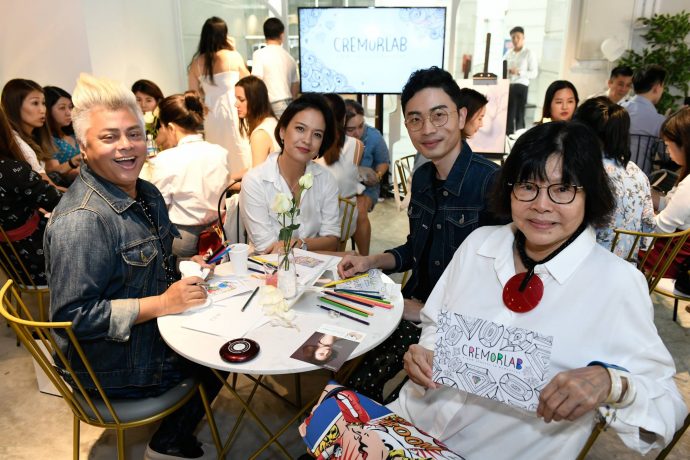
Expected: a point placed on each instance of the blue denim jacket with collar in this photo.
(102, 255)
(468, 186)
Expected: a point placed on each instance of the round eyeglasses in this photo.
(437, 117)
(558, 193)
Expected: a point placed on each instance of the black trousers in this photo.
(517, 100)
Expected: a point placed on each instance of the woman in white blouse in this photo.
(674, 208)
(304, 131)
(257, 121)
(579, 318)
(190, 172)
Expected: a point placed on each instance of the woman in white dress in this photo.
(342, 160)
(257, 121)
(214, 70)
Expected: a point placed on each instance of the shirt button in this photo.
(445, 193)
(437, 263)
(438, 226)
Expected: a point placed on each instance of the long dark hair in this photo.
(676, 129)
(214, 37)
(9, 149)
(185, 110)
(551, 93)
(258, 105)
(338, 107)
(611, 123)
(13, 95)
(53, 94)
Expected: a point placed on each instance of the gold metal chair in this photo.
(404, 166)
(99, 411)
(348, 207)
(17, 272)
(672, 244)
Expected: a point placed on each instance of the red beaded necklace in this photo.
(524, 291)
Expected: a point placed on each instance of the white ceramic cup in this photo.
(238, 258)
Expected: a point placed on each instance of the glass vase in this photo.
(287, 274)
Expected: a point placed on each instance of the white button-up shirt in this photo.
(526, 63)
(319, 214)
(191, 177)
(597, 308)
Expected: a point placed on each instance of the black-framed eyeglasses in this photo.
(558, 193)
(437, 117)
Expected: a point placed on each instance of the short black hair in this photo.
(580, 151)
(621, 71)
(611, 123)
(551, 93)
(433, 77)
(306, 101)
(273, 27)
(517, 29)
(645, 78)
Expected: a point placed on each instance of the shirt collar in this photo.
(273, 173)
(499, 246)
(190, 138)
(111, 193)
(453, 182)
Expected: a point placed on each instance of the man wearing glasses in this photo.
(449, 200)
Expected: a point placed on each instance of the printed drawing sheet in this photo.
(500, 362)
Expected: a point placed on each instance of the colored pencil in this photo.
(372, 294)
(340, 296)
(256, 289)
(251, 269)
(360, 299)
(345, 315)
(333, 283)
(354, 310)
(220, 256)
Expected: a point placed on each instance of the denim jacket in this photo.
(468, 186)
(101, 257)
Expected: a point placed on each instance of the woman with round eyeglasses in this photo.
(541, 287)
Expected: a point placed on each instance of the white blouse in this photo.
(318, 210)
(675, 209)
(597, 308)
(29, 154)
(191, 177)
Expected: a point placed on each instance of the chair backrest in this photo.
(12, 264)
(643, 150)
(33, 334)
(661, 251)
(347, 211)
(404, 167)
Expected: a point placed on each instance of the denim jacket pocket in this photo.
(138, 259)
(415, 214)
(460, 223)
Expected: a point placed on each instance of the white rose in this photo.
(148, 118)
(306, 181)
(281, 203)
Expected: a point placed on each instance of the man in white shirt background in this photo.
(522, 67)
(276, 67)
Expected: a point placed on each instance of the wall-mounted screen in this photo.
(367, 50)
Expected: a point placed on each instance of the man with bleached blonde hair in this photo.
(111, 269)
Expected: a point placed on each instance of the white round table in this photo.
(276, 343)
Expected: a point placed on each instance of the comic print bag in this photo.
(347, 425)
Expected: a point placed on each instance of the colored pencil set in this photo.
(353, 304)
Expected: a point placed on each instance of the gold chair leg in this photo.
(675, 310)
(120, 444)
(75, 438)
(676, 437)
(211, 419)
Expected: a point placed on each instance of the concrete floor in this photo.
(34, 425)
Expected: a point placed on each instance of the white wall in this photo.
(53, 41)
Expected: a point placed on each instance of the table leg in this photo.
(273, 439)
